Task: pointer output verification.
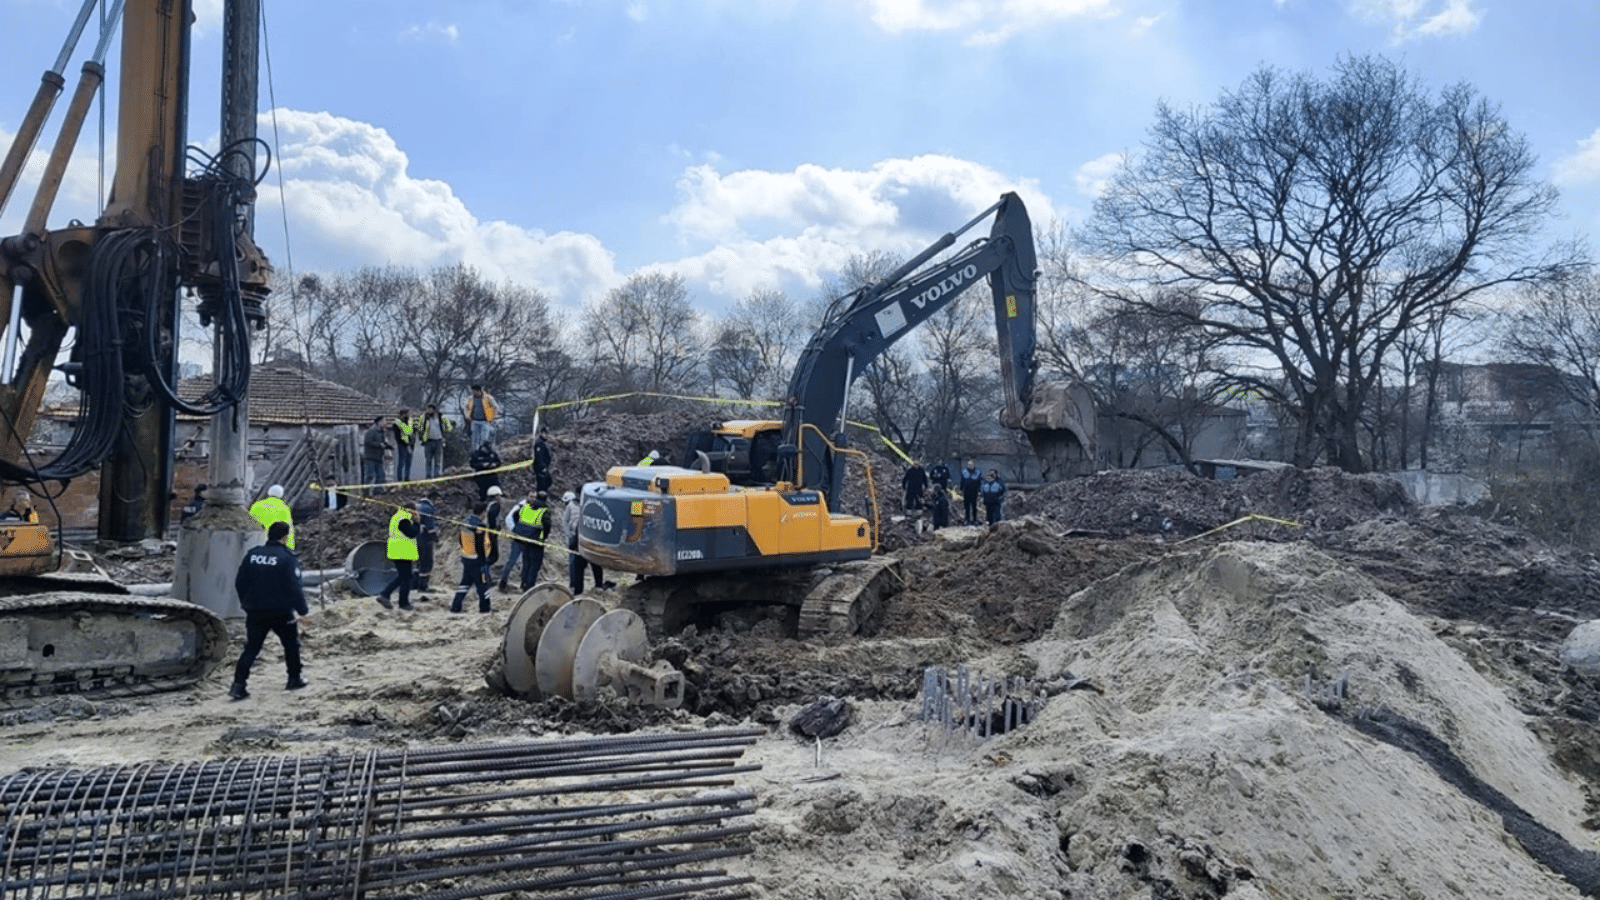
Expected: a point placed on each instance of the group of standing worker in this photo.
(400, 436)
(929, 488)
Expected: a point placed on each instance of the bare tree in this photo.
(412, 338)
(961, 363)
(1319, 223)
(754, 346)
(1556, 326)
(1150, 369)
(646, 335)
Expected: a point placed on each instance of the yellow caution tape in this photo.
(356, 495)
(1240, 521)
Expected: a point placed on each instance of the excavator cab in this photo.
(745, 450)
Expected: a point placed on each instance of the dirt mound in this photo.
(1204, 660)
(1176, 503)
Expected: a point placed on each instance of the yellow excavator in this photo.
(116, 286)
(766, 494)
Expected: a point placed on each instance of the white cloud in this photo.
(1094, 176)
(352, 202)
(432, 31)
(638, 12)
(1582, 167)
(766, 229)
(1000, 18)
(1420, 18)
(1144, 24)
(208, 16)
(78, 197)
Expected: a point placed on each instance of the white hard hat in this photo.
(568, 497)
(275, 491)
(656, 453)
(494, 490)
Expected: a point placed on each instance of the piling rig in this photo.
(175, 224)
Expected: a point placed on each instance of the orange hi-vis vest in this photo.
(469, 538)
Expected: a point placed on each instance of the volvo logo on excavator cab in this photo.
(950, 283)
(597, 519)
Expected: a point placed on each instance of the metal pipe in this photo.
(50, 85)
(55, 170)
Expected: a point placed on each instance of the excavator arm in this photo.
(868, 322)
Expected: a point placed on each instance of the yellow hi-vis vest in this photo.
(527, 515)
(406, 426)
(400, 546)
(272, 509)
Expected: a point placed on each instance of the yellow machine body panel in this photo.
(747, 428)
(663, 520)
(26, 549)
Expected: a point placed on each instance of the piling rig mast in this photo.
(116, 286)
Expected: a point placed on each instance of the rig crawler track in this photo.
(103, 645)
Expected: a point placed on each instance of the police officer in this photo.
(971, 481)
(427, 536)
(269, 590)
(195, 504)
(541, 463)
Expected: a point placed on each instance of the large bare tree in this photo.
(416, 338)
(1318, 223)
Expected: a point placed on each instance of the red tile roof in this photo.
(286, 396)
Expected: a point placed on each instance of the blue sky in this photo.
(751, 144)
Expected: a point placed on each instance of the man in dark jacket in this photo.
(541, 463)
(915, 481)
(971, 480)
(482, 460)
(427, 535)
(530, 523)
(939, 476)
(939, 505)
(195, 504)
(374, 446)
(269, 589)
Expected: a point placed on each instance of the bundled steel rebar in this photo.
(983, 705)
(637, 816)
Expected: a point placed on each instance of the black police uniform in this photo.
(269, 590)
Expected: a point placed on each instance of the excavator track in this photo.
(98, 645)
(850, 601)
(844, 598)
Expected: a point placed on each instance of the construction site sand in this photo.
(1198, 768)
